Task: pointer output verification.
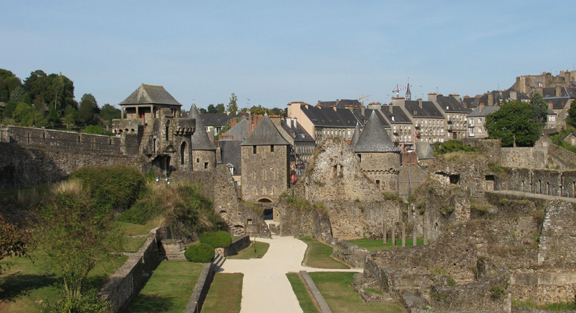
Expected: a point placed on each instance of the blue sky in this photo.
(273, 52)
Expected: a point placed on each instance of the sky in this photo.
(271, 53)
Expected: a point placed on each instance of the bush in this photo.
(451, 146)
(220, 239)
(88, 302)
(111, 188)
(201, 253)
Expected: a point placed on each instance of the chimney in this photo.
(432, 97)
(481, 107)
(456, 97)
(420, 103)
(398, 101)
(558, 91)
(490, 98)
(550, 105)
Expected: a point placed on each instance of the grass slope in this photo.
(301, 292)
(169, 288)
(342, 298)
(225, 294)
(27, 284)
(318, 255)
(377, 245)
(256, 251)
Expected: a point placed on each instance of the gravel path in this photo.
(265, 287)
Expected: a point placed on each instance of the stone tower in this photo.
(152, 115)
(265, 165)
(379, 158)
(203, 150)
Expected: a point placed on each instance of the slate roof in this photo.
(550, 112)
(450, 105)
(340, 104)
(568, 92)
(330, 117)
(488, 109)
(363, 118)
(200, 139)
(400, 116)
(230, 152)
(374, 138)
(297, 133)
(220, 119)
(428, 109)
(549, 92)
(265, 134)
(356, 136)
(240, 131)
(558, 103)
(149, 94)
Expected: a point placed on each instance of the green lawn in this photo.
(132, 244)
(554, 307)
(137, 229)
(377, 245)
(256, 251)
(343, 298)
(301, 292)
(318, 255)
(27, 284)
(169, 288)
(225, 294)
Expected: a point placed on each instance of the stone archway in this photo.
(267, 208)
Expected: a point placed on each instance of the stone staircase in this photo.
(171, 250)
(218, 262)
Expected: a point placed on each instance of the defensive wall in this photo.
(131, 277)
(540, 181)
(34, 156)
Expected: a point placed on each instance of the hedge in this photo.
(200, 253)
(220, 239)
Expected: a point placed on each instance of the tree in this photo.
(13, 241)
(571, 120)
(233, 104)
(202, 111)
(540, 112)
(54, 117)
(73, 236)
(88, 109)
(514, 124)
(5, 73)
(108, 113)
(212, 109)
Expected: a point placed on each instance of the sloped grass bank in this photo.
(318, 255)
(256, 250)
(342, 297)
(302, 294)
(169, 288)
(225, 294)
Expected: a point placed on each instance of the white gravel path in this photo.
(265, 287)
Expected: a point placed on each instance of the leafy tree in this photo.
(71, 116)
(219, 108)
(540, 112)
(74, 237)
(233, 104)
(451, 146)
(9, 109)
(93, 129)
(514, 124)
(17, 94)
(5, 73)
(571, 120)
(88, 109)
(54, 117)
(13, 240)
(108, 113)
(202, 111)
(54, 89)
(26, 98)
(4, 95)
(26, 115)
(212, 109)
(277, 111)
(258, 110)
(12, 83)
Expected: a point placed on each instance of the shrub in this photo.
(87, 302)
(201, 253)
(220, 239)
(111, 188)
(497, 292)
(451, 146)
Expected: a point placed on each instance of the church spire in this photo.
(408, 93)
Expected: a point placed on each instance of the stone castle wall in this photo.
(534, 157)
(23, 166)
(382, 169)
(541, 181)
(264, 172)
(203, 160)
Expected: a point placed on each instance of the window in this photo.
(253, 149)
(359, 157)
(272, 148)
(479, 121)
(205, 164)
(197, 160)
